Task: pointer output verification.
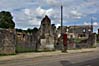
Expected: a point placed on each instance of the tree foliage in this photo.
(34, 30)
(19, 30)
(6, 20)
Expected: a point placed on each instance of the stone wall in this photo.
(26, 42)
(12, 41)
(7, 41)
(89, 42)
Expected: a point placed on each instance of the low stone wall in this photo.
(26, 42)
(7, 41)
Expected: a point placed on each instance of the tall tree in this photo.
(6, 20)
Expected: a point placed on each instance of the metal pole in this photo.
(92, 32)
(64, 48)
(91, 25)
(61, 19)
(62, 28)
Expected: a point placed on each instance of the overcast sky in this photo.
(29, 13)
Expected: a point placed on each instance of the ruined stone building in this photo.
(45, 27)
(46, 38)
(82, 35)
(47, 33)
(78, 31)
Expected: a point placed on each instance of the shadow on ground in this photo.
(94, 62)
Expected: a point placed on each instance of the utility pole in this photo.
(62, 27)
(92, 35)
(61, 19)
(64, 45)
(91, 25)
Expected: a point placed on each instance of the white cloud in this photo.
(87, 23)
(54, 2)
(51, 1)
(57, 25)
(95, 24)
(31, 17)
(27, 12)
(75, 14)
(94, 18)
(42, 12)
(13, 4)
(30, 12)
(88, 3)
(49, 12)
(34, 21)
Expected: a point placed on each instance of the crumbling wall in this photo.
(7, 41)
(26, 42)
(87, 43)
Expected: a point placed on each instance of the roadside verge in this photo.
(40, 54)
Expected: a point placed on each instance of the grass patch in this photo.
(77, 40)
(23, 49)
(7, 54)
(97, 41)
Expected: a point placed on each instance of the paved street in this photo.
(75, 59)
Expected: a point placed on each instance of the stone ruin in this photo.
(47, 34)
(79, 36)
(45, 39)
(7, 41)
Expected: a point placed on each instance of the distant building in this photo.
(76, 31)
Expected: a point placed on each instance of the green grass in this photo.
(77, 40)
(97, 41)
(23, 49)
(7, 54)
